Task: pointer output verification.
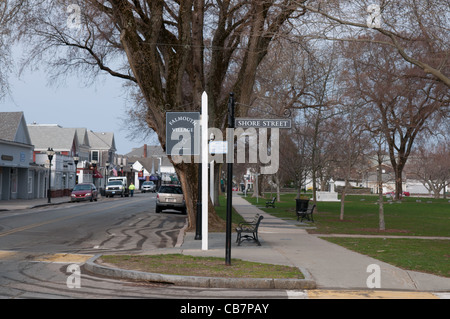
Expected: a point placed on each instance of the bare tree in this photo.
(9, 11)
(169, 51)
(399, 100)
(417, 30)
(351, 137)
(431, 166)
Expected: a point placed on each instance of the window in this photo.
(94, 156)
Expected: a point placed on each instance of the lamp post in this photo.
(94, 168)
(106, 173)
(76, 159)
(50, 154)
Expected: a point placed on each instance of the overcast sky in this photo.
(99, 108)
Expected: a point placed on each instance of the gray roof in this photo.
(13, 127)
(152, 150)
(52, 135)
(101, 140)
(82, 135)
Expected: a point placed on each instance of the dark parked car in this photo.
(84, 191)
(170, 197)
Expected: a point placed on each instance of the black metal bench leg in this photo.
(255, 237)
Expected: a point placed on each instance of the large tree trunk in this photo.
(188, 175)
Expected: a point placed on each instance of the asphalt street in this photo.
(37, 245)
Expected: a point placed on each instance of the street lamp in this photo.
(76, 159)
(132, 177)
(50, 154)
(106, 172)
(94, 168)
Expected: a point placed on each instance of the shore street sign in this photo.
(181, 131)
(263, 123)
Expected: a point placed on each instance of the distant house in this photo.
(102, 152)
(151, 163)
(64, 141)
(19, 178)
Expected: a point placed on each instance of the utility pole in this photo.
(231, 104)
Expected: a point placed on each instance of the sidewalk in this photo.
(330, 265)
(19, 204)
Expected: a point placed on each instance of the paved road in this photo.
(39, 248)
(37, 245)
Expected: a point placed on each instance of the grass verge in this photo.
(429, 256)
(412, 216)
(177, 264)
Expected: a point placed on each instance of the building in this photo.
(151, 163)
(102, 155)
(20, 178)
(64, 141)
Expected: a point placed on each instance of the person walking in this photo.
(131, 188)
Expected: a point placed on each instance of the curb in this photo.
(201, 282)
(49, 204)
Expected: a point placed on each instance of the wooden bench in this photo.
(251, 229)
(306, 214)
(271, 203)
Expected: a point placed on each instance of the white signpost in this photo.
(204, 161)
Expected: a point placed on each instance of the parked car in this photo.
(84, 191)
(148, 186)
(115, 188)
(170, 197)
(392, 194)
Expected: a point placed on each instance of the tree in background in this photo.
(168, 52)
(402, 102)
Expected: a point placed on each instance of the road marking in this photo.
(6, 254)
(368, 294)
(27, 227)
(297, 294)
(64, 258)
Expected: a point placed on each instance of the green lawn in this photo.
(412, 217)
(430, 256)
(361, 215)
(222, 211)
(177, 264)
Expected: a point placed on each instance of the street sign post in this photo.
(231, 124)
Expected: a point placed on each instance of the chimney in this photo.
(145, 150)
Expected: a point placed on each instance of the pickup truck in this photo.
(115, 188)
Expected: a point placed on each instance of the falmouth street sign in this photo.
(182, 133)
